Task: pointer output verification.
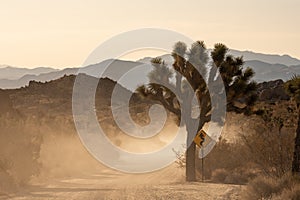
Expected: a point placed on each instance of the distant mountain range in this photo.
(12, 73)
(247, 55)
(267, 67)
(266, 71)
(267, 58)
(116, 69)
(32, 74)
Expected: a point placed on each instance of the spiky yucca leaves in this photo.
(192, 73)
(159, 88)
(293, 88)
(161, 72)
(237, 81)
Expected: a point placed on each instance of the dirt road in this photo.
(108, 184)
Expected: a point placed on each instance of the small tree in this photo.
(268, 139)
(293, 88)
(189, 83)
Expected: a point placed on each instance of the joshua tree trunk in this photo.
(191, 151)
(296, 159)
(190, 163)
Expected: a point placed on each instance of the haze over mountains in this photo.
(267, 58)
(267, 67)
(8, 72)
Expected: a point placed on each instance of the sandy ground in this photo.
(75, 174)
(108, 184)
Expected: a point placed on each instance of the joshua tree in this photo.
(293, 88)
(177, 94)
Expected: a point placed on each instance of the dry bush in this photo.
(289, 194)
(265, 147)
(227, 177)
(219, 175)
(269, 139)
(222, 156)
(263, 187)
(181, 157)
(237, 177)
(226, 163)
(271, 151)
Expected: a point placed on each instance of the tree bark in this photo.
(190, 168)
(190, 163)
(296, 159)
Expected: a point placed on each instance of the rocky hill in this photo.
(13, 73)
(37, 131)
(272, 91)
(112, 69)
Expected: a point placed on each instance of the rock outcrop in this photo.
(272, 91)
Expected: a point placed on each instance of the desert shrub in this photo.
(230, 177)
(269, 139)
(269, 153)
(237, 177)
(289, 194)
(272, 152)
(226, 162)
(264, 147)
(219, 175)
(263, 187)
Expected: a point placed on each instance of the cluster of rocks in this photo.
(272, 91)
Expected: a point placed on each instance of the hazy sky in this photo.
(62, 33)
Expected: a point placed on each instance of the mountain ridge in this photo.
(277, 68)
(13, 73)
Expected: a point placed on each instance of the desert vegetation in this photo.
(191, 69)
(38, 139)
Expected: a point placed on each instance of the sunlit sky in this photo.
(62, 33)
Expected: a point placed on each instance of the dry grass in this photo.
(267, 187)
(219, 175)
(173, 192)
(289, 194)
